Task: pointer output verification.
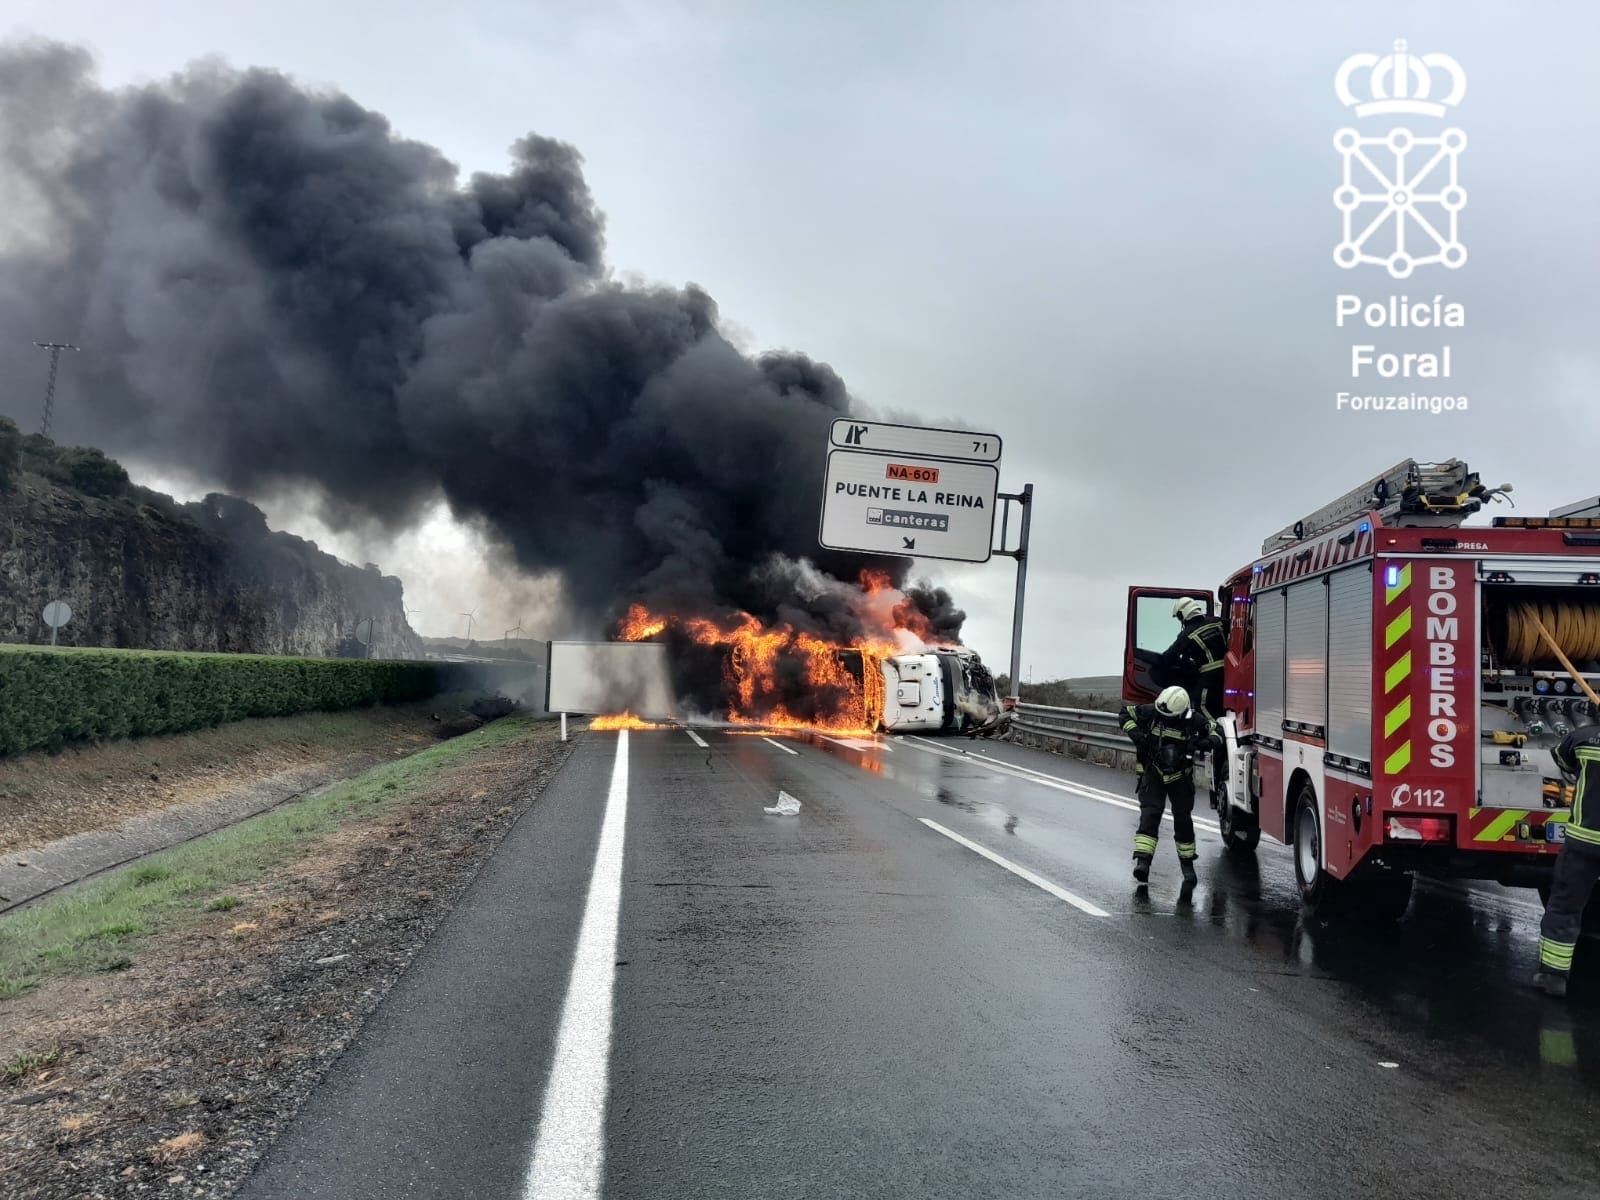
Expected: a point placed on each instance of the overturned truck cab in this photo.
(946, 690)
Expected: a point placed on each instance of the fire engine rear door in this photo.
(1151, 630)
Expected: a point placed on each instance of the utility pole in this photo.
(1024, 498)
(55, 349)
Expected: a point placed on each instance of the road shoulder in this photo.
(169, 1070)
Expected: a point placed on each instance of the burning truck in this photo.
(891, 672)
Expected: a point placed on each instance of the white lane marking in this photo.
(1060, 893)
(780, 746)
(1051, 781)
(698, 740)
(1084, 789)
(569, 1154)
(857, 743)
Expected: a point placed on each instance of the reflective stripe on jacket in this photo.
(1579, 754)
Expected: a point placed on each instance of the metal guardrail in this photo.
(1080, 732)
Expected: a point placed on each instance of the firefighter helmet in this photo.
(1173, 702)
(1188, 609)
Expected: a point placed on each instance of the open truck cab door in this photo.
(1151, 629)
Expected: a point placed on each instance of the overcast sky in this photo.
(1104, 230)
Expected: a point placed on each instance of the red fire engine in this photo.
(1395, 683)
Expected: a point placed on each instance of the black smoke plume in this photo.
(273, 290)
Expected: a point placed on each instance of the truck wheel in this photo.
(1241, 832)
(1316, 886)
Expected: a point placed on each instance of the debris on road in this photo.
(787, 806)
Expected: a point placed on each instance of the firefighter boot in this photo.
(1141, 867)
(1186, 865)
(1551, 983)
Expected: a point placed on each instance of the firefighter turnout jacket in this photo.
(1578, 866)
(1167, 745)
(1197, 653)
(1579, 754)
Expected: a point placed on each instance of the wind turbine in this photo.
(469, 616)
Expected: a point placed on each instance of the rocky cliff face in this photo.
(141, 571)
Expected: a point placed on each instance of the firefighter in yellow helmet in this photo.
(1168, 735)
(1577, 866)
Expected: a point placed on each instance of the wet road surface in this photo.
(938, 979)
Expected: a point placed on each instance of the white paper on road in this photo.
(787, 806)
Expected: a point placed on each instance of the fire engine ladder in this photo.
(1408, 493)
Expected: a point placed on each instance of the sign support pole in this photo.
(1024, 498)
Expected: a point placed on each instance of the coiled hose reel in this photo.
(1574, 624)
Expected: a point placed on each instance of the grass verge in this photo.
(85, 786)
(99, 926)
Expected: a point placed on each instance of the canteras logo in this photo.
(1401, 197)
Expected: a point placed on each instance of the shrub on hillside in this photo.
(10, 453)
(1059, 693)
(81, 468)
(89, 471)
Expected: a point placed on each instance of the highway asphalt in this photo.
(938, 979)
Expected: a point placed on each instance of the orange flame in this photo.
(639, 625)
(874, 581)
(751, 676)
(624, 720)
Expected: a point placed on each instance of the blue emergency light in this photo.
(1391, 576)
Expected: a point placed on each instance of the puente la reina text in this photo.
(1400, 312)
(881, 491)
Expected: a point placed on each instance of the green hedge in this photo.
(51, 696)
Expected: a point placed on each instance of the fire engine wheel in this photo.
(1371, 896)
(1240, 831)
(1316, 886)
